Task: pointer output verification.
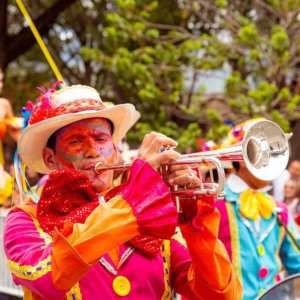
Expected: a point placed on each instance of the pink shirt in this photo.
(29, 250)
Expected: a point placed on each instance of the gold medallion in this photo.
(121, 286)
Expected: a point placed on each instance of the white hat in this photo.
(57, 109)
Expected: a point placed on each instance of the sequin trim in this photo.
(165, 251)
(45, 236)
(31, 272)
(74, 293)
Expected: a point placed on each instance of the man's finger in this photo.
(148, 138)
(163, 158)
(186, 180)
(175, 167)
(177, 173)
(161, 141)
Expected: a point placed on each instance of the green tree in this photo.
(21, 61)
(149, 47)
(147, 52)
(16, 39)
(155, 53)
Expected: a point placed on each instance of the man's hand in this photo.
(183, 175)
(156, 149)
(180, 175)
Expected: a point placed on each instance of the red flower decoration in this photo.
(43, 109)
(29, 106)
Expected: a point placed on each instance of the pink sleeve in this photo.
(29, 255)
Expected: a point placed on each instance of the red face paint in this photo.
(84, 143)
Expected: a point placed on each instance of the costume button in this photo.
(121, 286)
(263, 272)
(261, 250)
(278, 278)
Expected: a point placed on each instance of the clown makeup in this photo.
(84, 143)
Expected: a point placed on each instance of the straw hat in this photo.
(58, 108)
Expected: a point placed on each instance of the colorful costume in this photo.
(251, 229)
(70, 246)
(86, 260)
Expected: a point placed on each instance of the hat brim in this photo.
(34, 138)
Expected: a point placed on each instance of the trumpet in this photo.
(264, 150)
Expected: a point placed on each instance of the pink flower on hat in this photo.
(43, 108)
(48, 106)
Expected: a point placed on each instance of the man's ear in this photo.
(49, 158)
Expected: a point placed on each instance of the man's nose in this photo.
(91, 150)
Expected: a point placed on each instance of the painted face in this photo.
(84, 143)
(290, 189)
(294, 169)
(250, 179)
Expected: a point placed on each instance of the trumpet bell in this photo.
(265, 149)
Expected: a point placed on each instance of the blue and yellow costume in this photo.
(259, 249)
(252, 231)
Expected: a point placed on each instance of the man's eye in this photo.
(74, 142)
(100, 139)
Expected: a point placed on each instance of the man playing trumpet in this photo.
(90, 237)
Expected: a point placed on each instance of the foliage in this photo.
(155, 54)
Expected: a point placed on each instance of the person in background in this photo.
(251, 228)
(9, 128)
(291, 196)
(6, 187)
(293, 172)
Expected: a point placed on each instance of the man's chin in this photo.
(98, 184)
(98, 187)
(97, 181)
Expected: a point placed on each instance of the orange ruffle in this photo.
(107, 227)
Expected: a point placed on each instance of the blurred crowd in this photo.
(286, 188)
(10, 130)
